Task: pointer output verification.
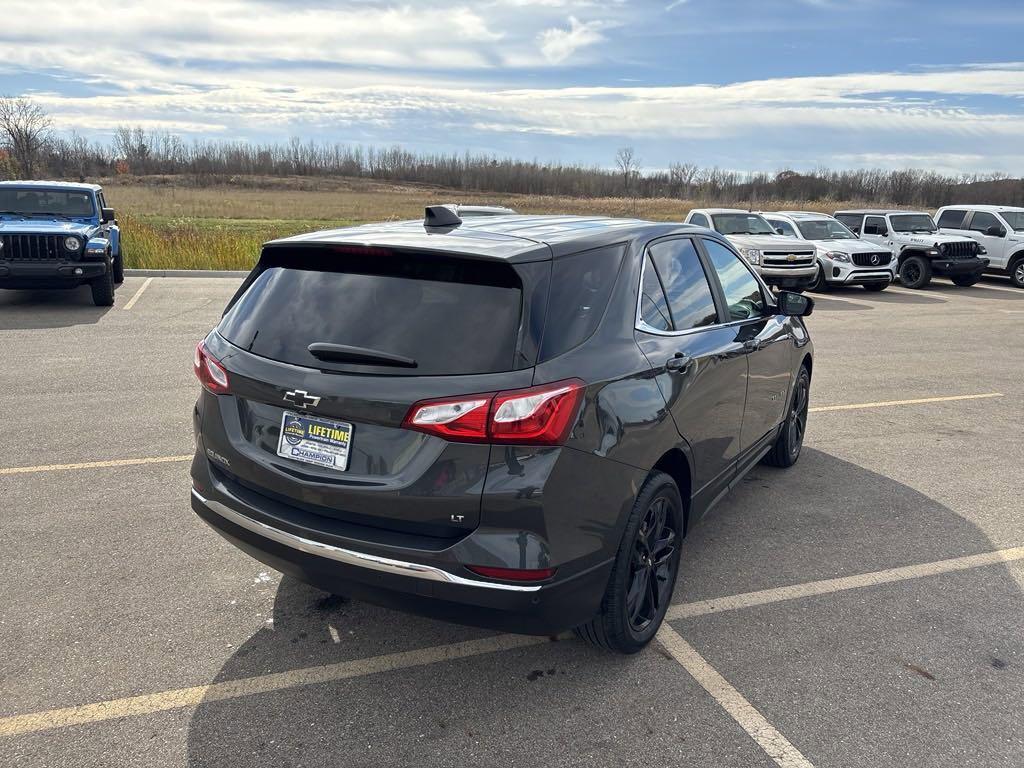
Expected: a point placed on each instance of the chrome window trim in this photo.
(640, 325)
(351, 557)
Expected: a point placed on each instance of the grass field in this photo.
(170, 226)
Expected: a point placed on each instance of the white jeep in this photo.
(920, 249)
(843, 259)
(999, 228)
(784, 262)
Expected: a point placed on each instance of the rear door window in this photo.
(450, 316)
(952, 218)
(851, 220)
(875, 225)
(580, 287)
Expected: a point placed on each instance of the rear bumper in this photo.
(416, 581)
(32, 274)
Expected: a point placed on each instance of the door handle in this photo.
(751, 345)
(679, 362)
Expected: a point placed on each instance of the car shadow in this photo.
(821, 301)
(888, 296)
(982, 290)
(54, 308)
(824, 518)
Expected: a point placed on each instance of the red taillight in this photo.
(541, 415)
(210, 373)
(513, 574)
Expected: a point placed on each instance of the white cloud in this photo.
(559, 44)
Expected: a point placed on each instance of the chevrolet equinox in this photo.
(507, 421)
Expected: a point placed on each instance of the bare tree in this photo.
(24, 132)
(625, 161)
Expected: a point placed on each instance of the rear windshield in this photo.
(450, 316)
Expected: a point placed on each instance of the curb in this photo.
(185, 273)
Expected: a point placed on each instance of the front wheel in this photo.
(103, 287)
(965, 281)
(820, 284)
(915, 272)
(644, 573)
(790, 441)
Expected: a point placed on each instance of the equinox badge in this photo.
(301, 399)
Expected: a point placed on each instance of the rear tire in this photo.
(119, 268)
(1017, 272)
(644, 574)
(875, 287)
(915, 272)
(965, 281)
(103, 286)
(790, 441)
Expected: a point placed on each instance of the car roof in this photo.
(52, 185)
(800, 214)
(989, 208)
(517, 238)
(879, 211)
(713, 211)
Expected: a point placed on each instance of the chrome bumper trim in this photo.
(350, 557)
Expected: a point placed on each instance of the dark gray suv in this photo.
(508, 422)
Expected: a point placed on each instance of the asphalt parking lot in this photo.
(862, 609)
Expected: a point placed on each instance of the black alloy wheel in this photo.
(644, 573)
(790, 442)
(652, 572)
(916, 272)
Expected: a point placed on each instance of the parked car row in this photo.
(872, 248)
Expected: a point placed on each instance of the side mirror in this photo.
(778, 230)
(995, 231)
(795, 304)
(106, 215)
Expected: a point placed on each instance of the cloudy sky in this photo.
(741, 84)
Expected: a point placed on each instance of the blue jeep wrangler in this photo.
(56, 234)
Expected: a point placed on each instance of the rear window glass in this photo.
(450, 316)
(580, 287)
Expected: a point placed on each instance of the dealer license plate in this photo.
(313, 440)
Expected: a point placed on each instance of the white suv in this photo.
(919, 248)
(999, 228)
(842, 258)
(783, 262)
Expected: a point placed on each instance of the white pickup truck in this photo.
(783, 262)
(999, 228)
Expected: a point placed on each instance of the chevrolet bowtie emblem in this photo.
(301, 398)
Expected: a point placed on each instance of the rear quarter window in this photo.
(580, 287)
(452, 316)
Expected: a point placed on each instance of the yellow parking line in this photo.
(133, 299)
(890, 403)
(93, 464)
(187, 697)
(828, 586)
(134, 706)
(774, 744)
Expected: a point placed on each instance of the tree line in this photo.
(30, 148)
